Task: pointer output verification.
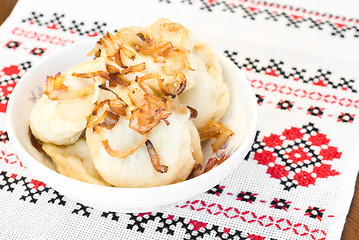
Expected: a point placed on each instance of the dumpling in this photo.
(49, 124)
(74, 161)
(167, 31)
(135, 115)
(60, 116)
(162, 49)
(210, 95)
(121, 152)
(174, 145)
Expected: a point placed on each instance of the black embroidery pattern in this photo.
(277, 68)
(288, 16)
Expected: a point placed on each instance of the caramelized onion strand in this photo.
(196, 170)
(194, 112)
(217, 130)
(155, 159)
(118, 59)
(126, 153)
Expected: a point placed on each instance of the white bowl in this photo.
(241, 118)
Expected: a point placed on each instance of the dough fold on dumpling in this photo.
(49, 124)
(210, 95)
(74, 161)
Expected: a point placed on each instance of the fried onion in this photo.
(95, 51)
(163, 51)
(155, 159)
(175, 88)
(128, 53)
(177, 61)
(118, 59)
(154, 48)
(107, 43)
(117, 105)
(126, 153)
(196, 170)
(134, 68)
(107, 120)
(110, 120)
(55, 87)
(115, 109)
(150, 110)
(145, 77)
(194, 112)
(112, 77)
(100, 73)
(98, 120)
(217, 130)
(144, 37)
(57, 90)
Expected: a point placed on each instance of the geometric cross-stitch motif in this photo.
(298, 156)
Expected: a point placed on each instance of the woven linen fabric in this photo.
(296, 182)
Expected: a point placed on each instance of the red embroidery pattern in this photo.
(303, 93)
(197, 225)
(281, 224)
(170, 225)
(11, 70)
(40, 37)
(9, 76)
(37, 184)
(34, 189)
(316, 111)
(298, 156)
(10, 158)
(255, 237)
(276, 203)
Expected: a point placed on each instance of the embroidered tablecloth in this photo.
(297, 181)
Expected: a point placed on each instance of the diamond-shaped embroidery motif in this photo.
(247, 196)
(346, 117)
(298, 157)
(280, 204)
(314, 212)
(285, 105)
(38, 51)
(315, 111)
(13, 45)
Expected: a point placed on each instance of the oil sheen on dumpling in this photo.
(209, 96)
(74, 161)
(62, 121)
(175, 144)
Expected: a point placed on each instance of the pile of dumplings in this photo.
(135, 115)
